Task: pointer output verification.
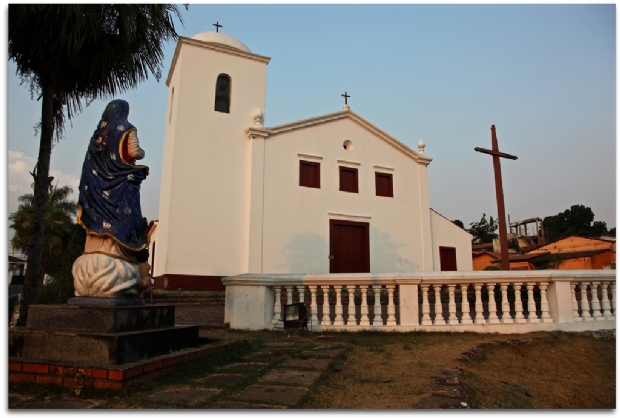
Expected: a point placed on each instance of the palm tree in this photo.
(59, 214)
(73, 54)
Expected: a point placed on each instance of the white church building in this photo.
(327, 194)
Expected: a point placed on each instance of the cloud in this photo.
(20, 180)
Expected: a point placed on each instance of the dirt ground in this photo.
(541, 371)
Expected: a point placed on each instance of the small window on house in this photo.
(222, 94)
(309, 174)
(348, 180)
(383, 183)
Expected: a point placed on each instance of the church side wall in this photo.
(296, 219)
(208, 218)
(446, 234)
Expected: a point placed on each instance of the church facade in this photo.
(328, 194)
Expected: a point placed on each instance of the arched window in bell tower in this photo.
(222, 93)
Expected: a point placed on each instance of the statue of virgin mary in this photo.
(109, 209)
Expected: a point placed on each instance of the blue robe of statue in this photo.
(109, 200)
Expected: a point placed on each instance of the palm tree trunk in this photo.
(34, 268)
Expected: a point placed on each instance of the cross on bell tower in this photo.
(217, 26)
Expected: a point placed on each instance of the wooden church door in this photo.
(349, 247)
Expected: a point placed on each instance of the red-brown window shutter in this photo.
(348, 180)
(383, 183)
(309, 174)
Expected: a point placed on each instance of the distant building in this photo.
(571, 253)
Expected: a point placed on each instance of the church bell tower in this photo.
(216, 91)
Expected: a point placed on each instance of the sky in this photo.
(544, 75)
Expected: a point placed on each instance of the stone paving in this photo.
(282, 385)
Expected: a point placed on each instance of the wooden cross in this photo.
(346, 96)
(499, 194)
(217, 26)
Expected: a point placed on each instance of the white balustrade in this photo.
(460, 305)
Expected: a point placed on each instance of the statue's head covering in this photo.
(109, 200)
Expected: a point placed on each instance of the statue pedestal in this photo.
(107, 347)
(102, 335)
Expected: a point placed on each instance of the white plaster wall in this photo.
(446, 234)
(204, 205)
(296, 220)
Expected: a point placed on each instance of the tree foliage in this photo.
(483, 231)
(71, 54)
(59, 215)
(578, 220)
(459, 223)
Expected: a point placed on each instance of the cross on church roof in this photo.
(346, 96)
(217, 26)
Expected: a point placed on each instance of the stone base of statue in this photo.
(103, 335)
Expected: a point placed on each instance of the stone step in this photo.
(190, 298)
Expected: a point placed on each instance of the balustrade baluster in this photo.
(494, 317)
(605, 301)
(613, 298)
(426, 310)
(531, 304)
(573, 290)
(314, 317)
(596, 304)
(338, 320)
(277, 309)
(302, 294)
(289, 294)
(506, 318)
(519, 311)
(467, 313)
(391, 308)
(351, 306)
(544, 304)
(452, 319)
(364, 311)
(585, 304)
(479, 308)
(377, 320)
